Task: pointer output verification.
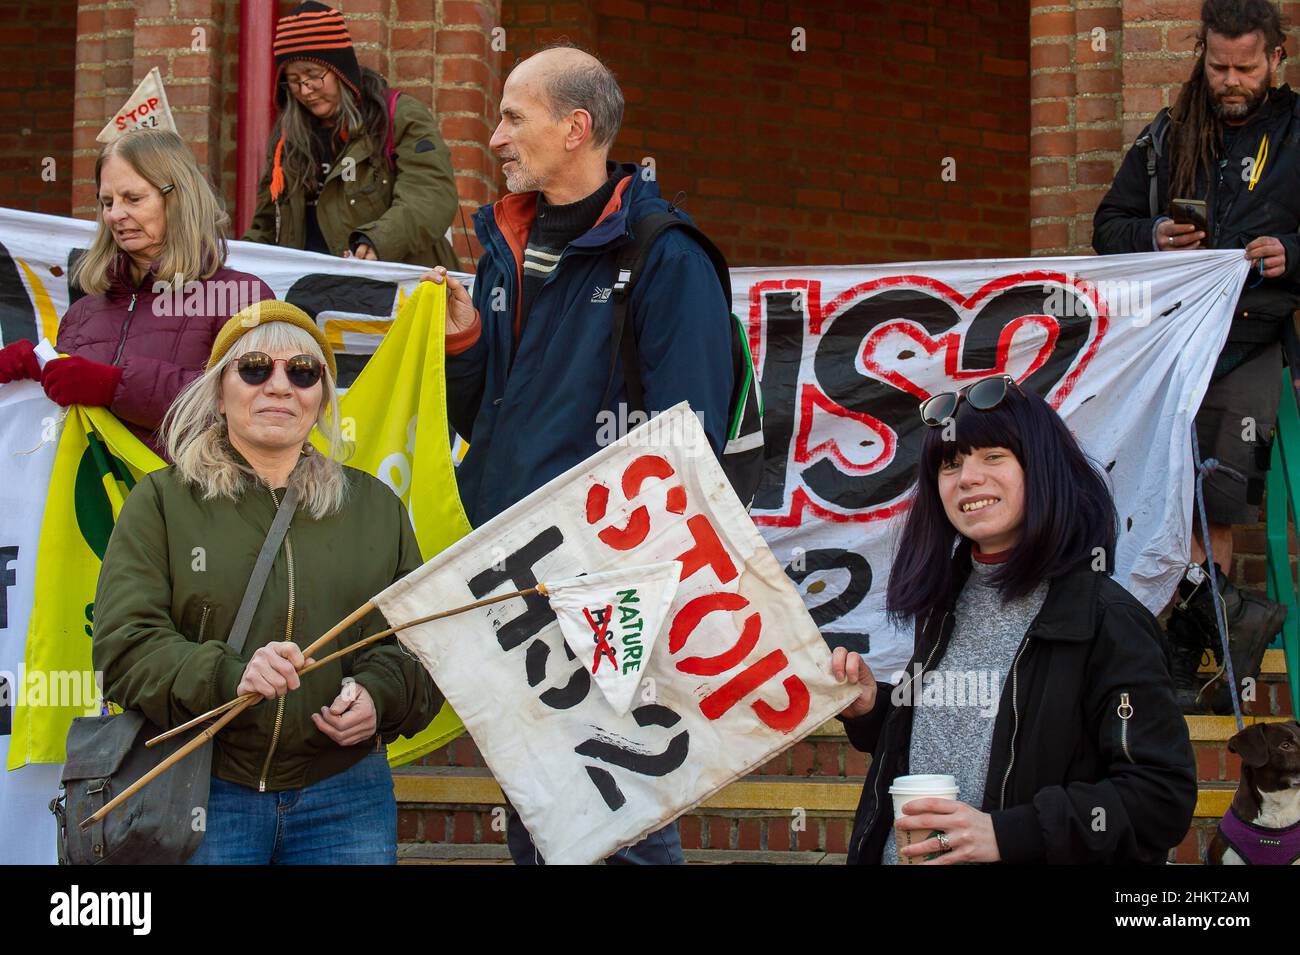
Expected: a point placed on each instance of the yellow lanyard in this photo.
(1261, 157)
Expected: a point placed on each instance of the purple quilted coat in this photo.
(161, 341)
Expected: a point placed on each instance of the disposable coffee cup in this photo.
(903, 791)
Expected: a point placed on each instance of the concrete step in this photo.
(1274, 664)
(827, 754)
(453, 788)
(795, 809)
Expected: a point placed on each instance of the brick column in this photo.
(466, 74)
(103, 76)
(117, 44)
(1075, 133)
(1159, 36)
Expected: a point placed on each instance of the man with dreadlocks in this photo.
(1232, 139)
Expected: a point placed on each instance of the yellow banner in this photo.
(395, 415)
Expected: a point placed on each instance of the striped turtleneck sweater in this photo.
(553, 229)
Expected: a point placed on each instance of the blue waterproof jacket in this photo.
(530, 406)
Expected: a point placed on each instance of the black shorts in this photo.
(1241, 402)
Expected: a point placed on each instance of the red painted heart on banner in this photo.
(880, 387)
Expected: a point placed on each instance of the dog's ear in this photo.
(1251, 745)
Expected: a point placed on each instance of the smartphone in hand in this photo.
(1189, 211)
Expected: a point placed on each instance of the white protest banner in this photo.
(29, 425)
(744, 673)
(353, 301)
(1121, 346)
(615, 617)
(146, 108)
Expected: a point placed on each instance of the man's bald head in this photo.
(567, 79)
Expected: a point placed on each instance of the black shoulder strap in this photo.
(631, 262)
(261, 570)
(1153, 141)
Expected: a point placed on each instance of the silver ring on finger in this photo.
(944, 844)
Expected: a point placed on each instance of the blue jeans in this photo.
(662, 847)
(348, 819)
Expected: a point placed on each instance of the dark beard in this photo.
(1245, 110)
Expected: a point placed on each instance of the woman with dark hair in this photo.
(355, 169)
(1037, 681)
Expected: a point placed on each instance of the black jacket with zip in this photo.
(1237, 214)
(1070, 779)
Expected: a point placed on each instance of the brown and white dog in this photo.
(1262, 827)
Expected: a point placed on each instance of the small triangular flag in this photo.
(147, 107)
(612, 619)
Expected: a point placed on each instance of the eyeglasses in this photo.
(311, 81)
(256, 367)
(984, 395)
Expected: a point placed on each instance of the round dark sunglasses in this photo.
(256, 367)
(984, 395)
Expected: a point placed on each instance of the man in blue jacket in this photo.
(529, 354)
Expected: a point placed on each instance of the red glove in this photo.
(18, 361)
(79, 381)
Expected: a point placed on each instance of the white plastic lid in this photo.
(924, 783)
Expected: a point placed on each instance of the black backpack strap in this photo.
(1153, 141)
(631, 263)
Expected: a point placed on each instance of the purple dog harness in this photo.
(1259, 846)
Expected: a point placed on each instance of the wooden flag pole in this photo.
(251, 698)
(236, 706)
(334, 632)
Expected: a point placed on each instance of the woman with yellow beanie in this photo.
(301, 777)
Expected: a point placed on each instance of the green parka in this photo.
(172, 581)
(404, 213)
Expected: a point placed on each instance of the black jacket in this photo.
(1237, 215)
(1069, 780)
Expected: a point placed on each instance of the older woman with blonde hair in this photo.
(302, 777)
(156, 288)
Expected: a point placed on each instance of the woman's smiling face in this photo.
(272, 416)
(983, 494)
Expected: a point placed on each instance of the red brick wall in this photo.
(117, 44)
(37, 47)
(829, 155)
(435, 50)
(1087, 105)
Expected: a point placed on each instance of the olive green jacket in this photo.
(172, 581)
(404, 214)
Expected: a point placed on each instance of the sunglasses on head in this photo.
(256, 367)
(983, 395)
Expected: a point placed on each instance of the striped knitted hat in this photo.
(313, 31)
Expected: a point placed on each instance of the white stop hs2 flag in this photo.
(1121, 346)
(739, 673)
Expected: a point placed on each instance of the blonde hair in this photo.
(195, 435)
(195, 244)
